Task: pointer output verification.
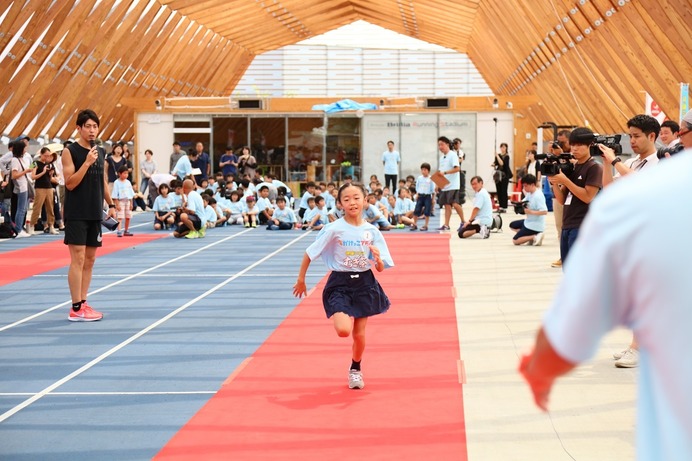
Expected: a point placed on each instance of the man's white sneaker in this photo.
(538, 239)
(23, 234)
(630, 359)
(355, 380)
(485, 231)
(618, 355)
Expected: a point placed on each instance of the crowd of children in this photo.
(268, 202)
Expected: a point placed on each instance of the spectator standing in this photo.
(502, 175)
(19, 169)
(202, 161)
(450, 195)
(390, 160)
(462, 173)
(247, 164)
(147, 167)
(424, 190)
(123, 195)
(113, 164)
(229, 162)
(175, 156)
(45, 179)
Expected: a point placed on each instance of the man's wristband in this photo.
(112, 205)
(616, 160)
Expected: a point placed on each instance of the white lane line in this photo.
(25, 394)
(60, 236)
(139, 334)
(129, 277)
(168, 276)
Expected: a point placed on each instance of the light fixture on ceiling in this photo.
(496, 104)
(509, 105)
(5, 139)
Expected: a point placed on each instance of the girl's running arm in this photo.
(299, 289)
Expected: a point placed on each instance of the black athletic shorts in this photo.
(86, 233)
(196, 223)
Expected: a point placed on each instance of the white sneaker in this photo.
(23, 234)
(618, 355)
(538, 239)
(485, 232)
(630, 359)
(52, 231)
(355, 380)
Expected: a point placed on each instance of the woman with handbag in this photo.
(19, 171)
(502, 175)
(247, 164)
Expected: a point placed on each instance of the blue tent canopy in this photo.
(344, 104)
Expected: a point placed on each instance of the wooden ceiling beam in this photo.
(55, 78)
(94, 50)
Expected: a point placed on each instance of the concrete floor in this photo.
(502, 293)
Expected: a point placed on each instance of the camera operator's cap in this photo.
(22, 138)
(55, 147)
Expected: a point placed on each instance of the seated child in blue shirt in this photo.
(318, 215)
(373, 215)
(283, 217)
(236, 207)
(164, 211)
(209, 212)
(309, 193)
(219, 216)
(264, 205)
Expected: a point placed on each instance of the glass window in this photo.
(343, 148)
(267, 143)
(228, 131)
(305, 149)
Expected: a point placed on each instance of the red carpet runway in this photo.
(290, 400)
(20, 264)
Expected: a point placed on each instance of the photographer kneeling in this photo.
(530, 230)
(576, 189)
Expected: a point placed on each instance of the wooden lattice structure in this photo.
(582, 59)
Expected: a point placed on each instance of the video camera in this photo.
(612, 141)
(553, 164)
(670, 151)
(519, 207)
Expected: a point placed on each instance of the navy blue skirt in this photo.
(357, 294)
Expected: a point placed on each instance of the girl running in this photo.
(348, 246)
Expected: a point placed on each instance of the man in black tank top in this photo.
(86, 188)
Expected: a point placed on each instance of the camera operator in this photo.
(530, 230)
(669, 134)
(685, 128)
(643, 131)
(44, 178)
(559, 147)
(576, 191)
